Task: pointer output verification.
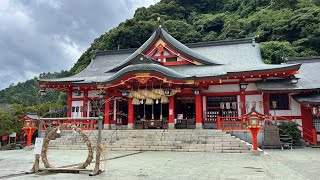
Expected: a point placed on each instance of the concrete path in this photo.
(274, 164)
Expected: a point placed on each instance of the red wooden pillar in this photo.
(243, 101)
(171, 112)
(198, 105)
(85, 103)
(218, 122)
(69, 103)
(307, 124)
(130, 113)
(266, 103)
(106, 113)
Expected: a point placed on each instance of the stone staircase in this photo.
(158, 140)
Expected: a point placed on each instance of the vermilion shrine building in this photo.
(165, 83)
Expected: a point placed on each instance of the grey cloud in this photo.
(50, 35)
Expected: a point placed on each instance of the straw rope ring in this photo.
(53, 132)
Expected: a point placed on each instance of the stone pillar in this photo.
(130, 113)
(198, 104)
(106, 124)
(171, 112)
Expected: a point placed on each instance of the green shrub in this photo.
(291, 128)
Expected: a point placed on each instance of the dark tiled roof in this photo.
(309, 59)
(309, 74)
(33, 116)
(148, 68)
(307, 98)
(224, 57)
(161, 33)
(178, 46)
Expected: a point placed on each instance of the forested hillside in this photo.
(284, 28)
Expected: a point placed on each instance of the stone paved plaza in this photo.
(301, 163)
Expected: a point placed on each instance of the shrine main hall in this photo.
(167, 84)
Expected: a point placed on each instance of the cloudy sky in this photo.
(50, 35)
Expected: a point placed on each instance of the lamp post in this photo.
(294, 80)
(167, 91)
(243, 85)
(29, 128)
(196, 91)
(254, 129)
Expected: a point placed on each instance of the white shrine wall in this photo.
(75, 104)
(294, 107)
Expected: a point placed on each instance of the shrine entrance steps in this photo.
(158, 140)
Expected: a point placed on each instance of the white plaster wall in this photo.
(165, 52)
(74, 95)
(258, 99)
(180, 59)
(251, 87)
(223, 88)
(76, 103)
(239, 109)
(93, 93)
(229, 88)
(294, 109)
(204, 107)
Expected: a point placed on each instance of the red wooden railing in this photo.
(83, 123)
(231, 123)
(309, 135)
(242, 123)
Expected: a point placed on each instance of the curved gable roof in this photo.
(175, 44)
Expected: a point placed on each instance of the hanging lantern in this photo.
(315, 111)
(227, 105)
(149, 101)
(221, 105)
(234, 105)
(157, 101)
(167, 92)
(164, 100)
(43, 92)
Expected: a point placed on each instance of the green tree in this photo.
(274, 51)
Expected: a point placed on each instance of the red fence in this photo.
(309, 135)
(242, 123)
(83, 123)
